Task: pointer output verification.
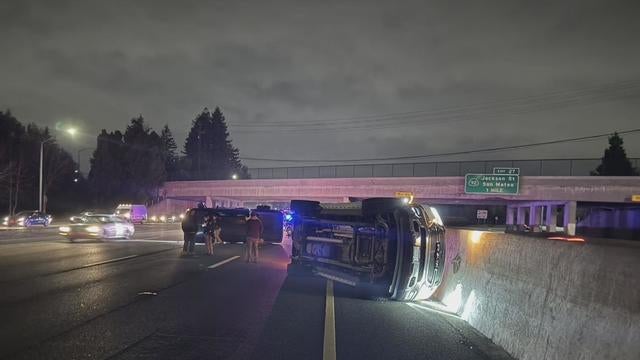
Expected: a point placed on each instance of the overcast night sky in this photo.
(471, 74)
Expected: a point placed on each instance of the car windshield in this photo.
(100, 219)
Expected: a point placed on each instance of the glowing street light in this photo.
(234, 176)
(72, 131)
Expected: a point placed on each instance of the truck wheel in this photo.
(374, 206)
(305, 207)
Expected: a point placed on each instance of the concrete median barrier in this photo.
(546, 299)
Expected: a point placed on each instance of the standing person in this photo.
(254, 234)
(208, 233)
(189, 242)
(217, 229)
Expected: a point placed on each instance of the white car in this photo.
(99, 227)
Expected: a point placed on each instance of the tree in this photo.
(127, 167)
(615, 161)
(209, 151)
(169, 151)
(107, 172)
(19, 165)
(194, 146)
(144, 161)
(11, 135)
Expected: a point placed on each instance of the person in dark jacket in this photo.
(254, 234)
(209, 224)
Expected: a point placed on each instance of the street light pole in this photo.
(41, 166)
(40, 195)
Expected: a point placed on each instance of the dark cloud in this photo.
(99, 63)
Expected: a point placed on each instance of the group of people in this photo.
(211, 229)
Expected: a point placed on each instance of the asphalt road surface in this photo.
(139, 299)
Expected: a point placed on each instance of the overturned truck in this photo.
(384, 246)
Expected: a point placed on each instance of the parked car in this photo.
(385, 246)
(94, 226)
(28, 218)
(233, 223)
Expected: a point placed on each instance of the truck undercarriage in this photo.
(395, 250)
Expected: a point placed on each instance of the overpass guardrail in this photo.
(537, 167)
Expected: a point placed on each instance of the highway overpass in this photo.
(528, 167)
(538, 202)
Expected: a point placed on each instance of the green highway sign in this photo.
(506, 171)
(491, 184)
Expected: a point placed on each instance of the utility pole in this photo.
(40, 194)
(41, 166)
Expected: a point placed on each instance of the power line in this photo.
(451, 117)
(528, 104)
(501, 148)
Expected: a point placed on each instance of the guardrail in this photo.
(539, 167)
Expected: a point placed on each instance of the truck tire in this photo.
(374, 206)
(305, 207)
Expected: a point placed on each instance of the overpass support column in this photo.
(552, 218)
(520, 215)
(511, 214)
(569, 222)
(535, 217)
(209, 202)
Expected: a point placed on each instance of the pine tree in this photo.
(127, 167)
(144, 161)
(195, 144)
(169, 154)
(615, 161)
(107, 173)
(209, 149)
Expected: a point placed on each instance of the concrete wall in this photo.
(171, 207)
(546, 299)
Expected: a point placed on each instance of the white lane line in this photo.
(149, 240)
(435, 307)
(223, 262)
(329, 346)
(21, 240)
(109, 261)
(153, 233)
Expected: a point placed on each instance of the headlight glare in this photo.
(93, 229)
